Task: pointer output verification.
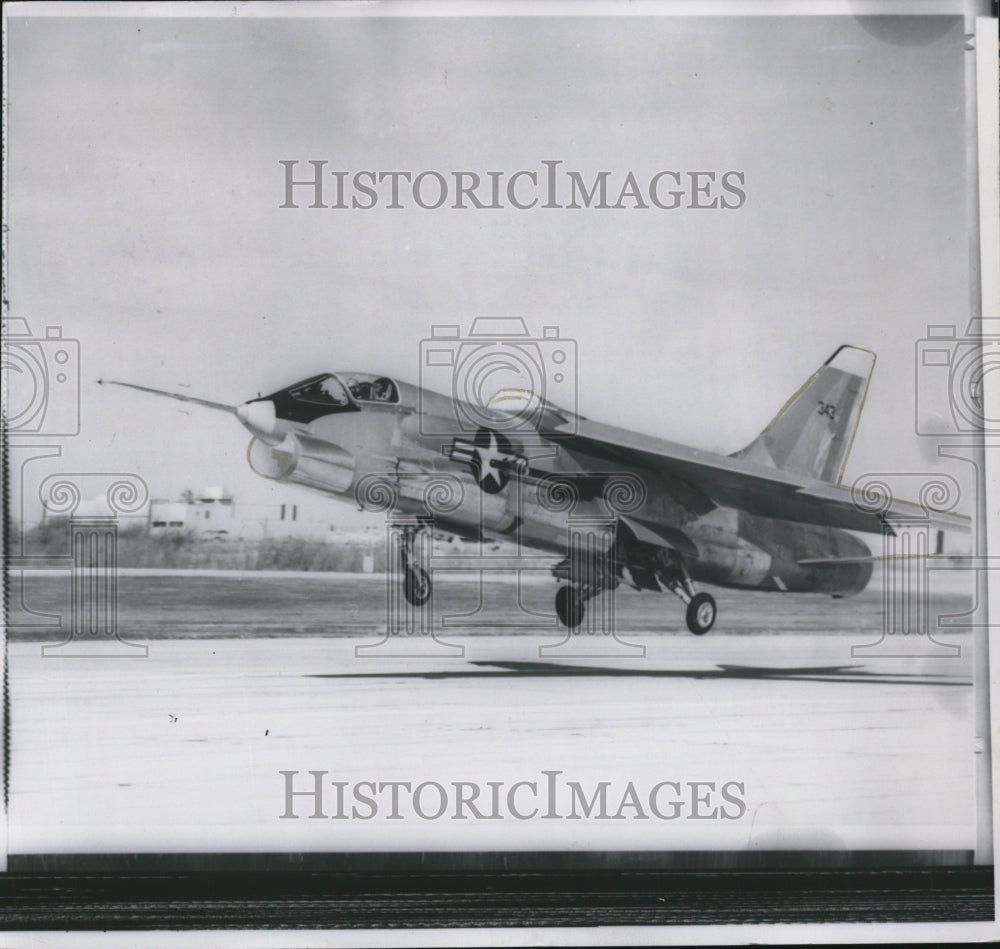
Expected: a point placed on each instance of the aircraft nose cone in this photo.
(259, 416)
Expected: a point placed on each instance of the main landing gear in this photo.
(416, 580)
(700, 614)
(669, 572)
(587, 576)
(701, 610)
(569, 605)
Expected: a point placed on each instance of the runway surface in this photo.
(825, 736)
(157, 604)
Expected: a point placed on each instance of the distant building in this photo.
(211, 511)
(214, 513)
(166, 516)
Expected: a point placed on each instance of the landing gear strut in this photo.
(701, 609)
(416, 580)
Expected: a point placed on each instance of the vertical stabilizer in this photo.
(812, 434)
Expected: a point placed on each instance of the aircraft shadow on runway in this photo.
(843, 673)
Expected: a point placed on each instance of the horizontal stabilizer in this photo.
(894, 509)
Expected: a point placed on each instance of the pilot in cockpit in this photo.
(383, 390)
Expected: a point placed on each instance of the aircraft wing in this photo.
(736, 482)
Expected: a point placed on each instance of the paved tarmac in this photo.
(794, 724)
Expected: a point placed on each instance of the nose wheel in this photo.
(416, 580)
(416, 585)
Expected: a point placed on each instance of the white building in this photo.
(214, 513)
(210, 511)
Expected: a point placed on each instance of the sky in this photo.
(144, 218)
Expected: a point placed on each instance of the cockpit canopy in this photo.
(330, 393)
(365, 387)
(319, 390)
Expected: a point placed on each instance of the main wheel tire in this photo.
(569, 607)
(701, 614)
(417, 586)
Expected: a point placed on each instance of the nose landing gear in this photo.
(416, 580)
(417, 586)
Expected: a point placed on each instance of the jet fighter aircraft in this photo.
(772, 516)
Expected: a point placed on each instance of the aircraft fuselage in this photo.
(388, 457)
